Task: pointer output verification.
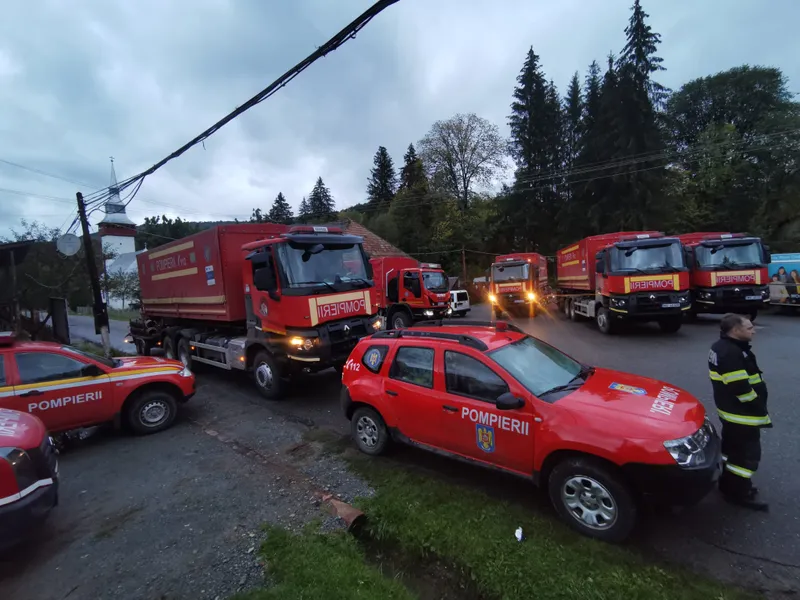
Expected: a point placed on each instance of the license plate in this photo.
(752, 298)
(671, 305)
(519, 301)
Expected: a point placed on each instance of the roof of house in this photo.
(125, 262)
(374, 245)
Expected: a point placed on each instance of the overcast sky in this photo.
(82, 80)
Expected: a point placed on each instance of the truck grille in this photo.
(655, 300)
(344, 335)
(732, 294)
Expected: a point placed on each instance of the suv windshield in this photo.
(647, 258)
(536, 365)
(434, 281)
(510, 272)
(109, 362)
(722, 255)
(332, 266)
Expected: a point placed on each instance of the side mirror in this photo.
(599, 267)
(416, 288)
(509, 401)
(91, 371)
(264, 279)
(369, 270)
(767, 255)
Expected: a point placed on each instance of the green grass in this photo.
(313, 565)
(115, 314)
(97, 349)
(429, 518)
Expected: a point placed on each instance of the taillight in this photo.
(21, 465)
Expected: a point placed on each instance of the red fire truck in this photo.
(629, 275)
(728, 272)
(518, 283)
(408, 291)
(265, 298)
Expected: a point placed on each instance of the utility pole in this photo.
(99, 309)
(464, 267)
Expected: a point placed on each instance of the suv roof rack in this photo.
(466, 340)
(498, 325)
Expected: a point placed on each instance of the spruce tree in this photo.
(413, 207)
(304, 213)
(320, 203)
(535, 144)
(412, 175)
(573, 121)
(382, 183)
(257, 216)
(639, 54)
(281, 212)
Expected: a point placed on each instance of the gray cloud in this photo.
(86, 79)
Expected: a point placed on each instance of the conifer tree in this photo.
(304, 213)
(382, 183)
(281, 211)
(320, 203)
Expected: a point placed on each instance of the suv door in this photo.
(477, 429)
(409, 389)
(55, 388)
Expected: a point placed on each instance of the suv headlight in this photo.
(690, 451)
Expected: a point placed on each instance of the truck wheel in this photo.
(183, 353)
(151, 411)
(400, 320)
(604, 322)
(670, 325)
(267, 376)
(592, 499)
(169, 349)
(573, 316)
(369, 431)
(142, 348)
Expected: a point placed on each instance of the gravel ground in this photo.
(178, 514)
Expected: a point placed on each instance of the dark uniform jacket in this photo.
(740, 393)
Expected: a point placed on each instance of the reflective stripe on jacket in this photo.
(740, 392)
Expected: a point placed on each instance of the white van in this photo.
(459, 303)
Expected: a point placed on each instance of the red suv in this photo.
(600, 441)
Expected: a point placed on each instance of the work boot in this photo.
(747, 501)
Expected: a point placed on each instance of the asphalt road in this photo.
(82, 328)
(758, 550)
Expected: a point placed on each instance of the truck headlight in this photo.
(492, 298)
(705, 295)
(618, 302)
(300, 342)
(428, 313)
(531, 296)
(377, 324)
(683, 299)
(690, 451)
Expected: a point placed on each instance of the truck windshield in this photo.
(537, 366)
(724, 255)
(341, 267)
(510, 272)
(663, 257)
(435, 281)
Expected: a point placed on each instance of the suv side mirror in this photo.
(91, 371)
(508, 401)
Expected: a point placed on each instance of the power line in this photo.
(45, 173)
(348, 33)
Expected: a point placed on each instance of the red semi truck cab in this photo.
(408, 291)
(639, 276)
(518, 283)
(269, 299)
(728, 272)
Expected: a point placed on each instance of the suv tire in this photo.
(583, 489)
(151, 411)
(369, 431)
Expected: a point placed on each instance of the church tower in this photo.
(117, 231)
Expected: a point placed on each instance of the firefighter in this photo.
(740, 394)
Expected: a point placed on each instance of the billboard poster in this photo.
(784, 278)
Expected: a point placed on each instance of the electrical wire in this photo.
(349, 32)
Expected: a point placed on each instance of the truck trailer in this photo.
(624, 276)
(728, 272)
(518, 283)
(264, 298)
(407, 291)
